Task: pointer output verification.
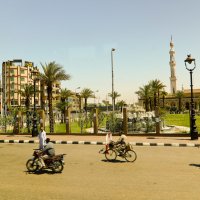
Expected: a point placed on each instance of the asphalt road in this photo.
(159, 173)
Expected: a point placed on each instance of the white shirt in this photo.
(108, 138)
(42, 138)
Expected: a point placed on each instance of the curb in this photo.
(103, 143)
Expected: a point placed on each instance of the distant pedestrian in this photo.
(42, 138)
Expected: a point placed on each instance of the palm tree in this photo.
(52, 73)
(27, 93)
(163, 94)
(156, 86)
(86, 93)
(106, 102)
(121, 104)
(114, 96)
(179, 95)
(64, 97)
(145, 93)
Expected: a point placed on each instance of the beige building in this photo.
(15, 74)
(172, 101)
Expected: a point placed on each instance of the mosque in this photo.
(171, 100)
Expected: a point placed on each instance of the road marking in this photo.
(103, 143)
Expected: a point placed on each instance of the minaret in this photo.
(172, 64)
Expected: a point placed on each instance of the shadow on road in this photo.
(40, 172)
(195, 165)
(114, 161)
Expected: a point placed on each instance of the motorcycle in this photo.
(55, 163)
(112, 151)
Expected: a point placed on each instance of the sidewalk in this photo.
(100, 140)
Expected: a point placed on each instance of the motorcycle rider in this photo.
(47, 152)
(121, 144)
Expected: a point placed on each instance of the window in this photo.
(22, 79)
(22, 71)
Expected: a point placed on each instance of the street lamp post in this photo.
(78, 99)
(113, 105)
(193, 128)
(35, 128)
(112, 79)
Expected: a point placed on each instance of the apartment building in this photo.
(15, 75)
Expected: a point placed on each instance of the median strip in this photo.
(103, 143)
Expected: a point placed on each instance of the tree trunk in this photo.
(64, 114)
(86, 112)
(163, 101)
(158, 98)
(154, 100)
(51, 117)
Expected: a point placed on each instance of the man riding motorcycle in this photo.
(47, 152)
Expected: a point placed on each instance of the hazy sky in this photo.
(79, 35)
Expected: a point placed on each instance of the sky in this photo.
(79, 35)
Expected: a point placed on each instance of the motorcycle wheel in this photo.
(110, 155)
(57, 166)
(31, 165)
(130, 156)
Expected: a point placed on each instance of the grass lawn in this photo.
(61, 128)
(180, 120)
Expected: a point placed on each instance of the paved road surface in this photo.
(159, 173)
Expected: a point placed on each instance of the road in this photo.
(159, 173)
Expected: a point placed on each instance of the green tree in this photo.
(114, 96)
(64, 97)
(106, 103)
(86, 93)
(27, 93)
(52, 73)
(156, 87)
(145, 93)
(179, 94)
(163, 94)
(121, 104)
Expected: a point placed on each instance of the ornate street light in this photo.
(193, 128)
(76, 95)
